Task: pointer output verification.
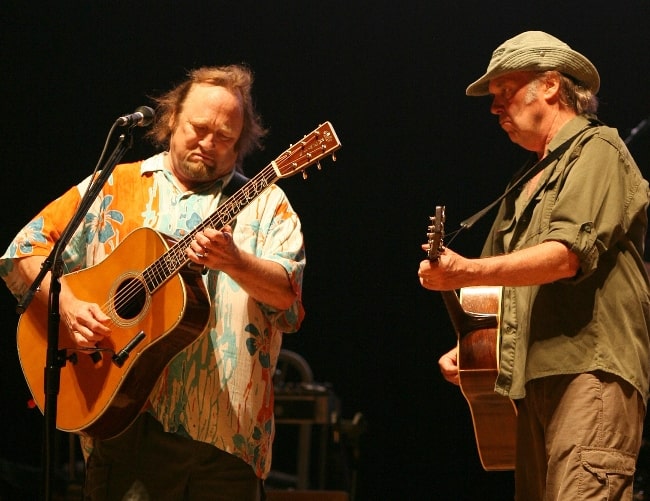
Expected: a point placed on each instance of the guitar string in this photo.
(175, 258)
(139, 282)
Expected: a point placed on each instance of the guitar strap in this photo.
(528, 173)
(237, 181)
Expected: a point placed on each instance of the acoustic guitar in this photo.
(475, 316)
(158, 305)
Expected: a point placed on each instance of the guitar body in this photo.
(97, 397)
(494, 416)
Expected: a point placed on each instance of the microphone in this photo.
(142, 117)
(635, 131)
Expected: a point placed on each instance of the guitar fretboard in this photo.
(313, 146)
(175, 258)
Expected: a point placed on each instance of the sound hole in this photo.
(130, 298)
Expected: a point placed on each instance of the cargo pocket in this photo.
(609, 473)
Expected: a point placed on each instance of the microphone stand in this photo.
(56, 358)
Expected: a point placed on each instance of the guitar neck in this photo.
(314, 146)
(172, 261)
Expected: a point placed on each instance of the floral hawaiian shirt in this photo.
(218, 390)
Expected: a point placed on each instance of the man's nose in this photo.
(207, 141)
(496, 108)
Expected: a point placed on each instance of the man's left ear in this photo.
(552, 85)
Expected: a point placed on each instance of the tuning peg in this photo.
(304, 174)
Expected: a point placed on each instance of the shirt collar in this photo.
(569, 129)
(156, 163)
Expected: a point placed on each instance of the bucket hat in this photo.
(536, 51)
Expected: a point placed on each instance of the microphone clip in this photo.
(142, 117)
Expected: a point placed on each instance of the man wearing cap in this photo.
(567, 246)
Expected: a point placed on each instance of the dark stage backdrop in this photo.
(390, 76)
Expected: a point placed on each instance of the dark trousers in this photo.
(145, 463)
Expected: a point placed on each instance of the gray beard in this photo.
(198, 171)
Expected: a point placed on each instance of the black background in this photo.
(390, 76)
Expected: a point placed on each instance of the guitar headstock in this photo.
(319, 143)
(436, 233)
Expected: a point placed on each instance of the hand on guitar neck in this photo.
(444, 269)
(448, 363)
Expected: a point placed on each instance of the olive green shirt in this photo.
(594, 200)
